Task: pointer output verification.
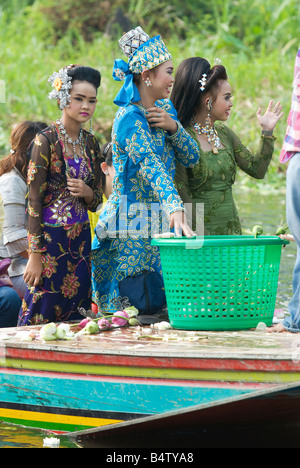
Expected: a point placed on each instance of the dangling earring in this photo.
(91, 127)
(148, 82)
(208, 119)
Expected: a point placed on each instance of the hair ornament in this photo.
(217, 61)
(61, 82)
(106, 149)
(203, 82)
(12, 151)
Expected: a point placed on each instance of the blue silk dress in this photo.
(144, 196)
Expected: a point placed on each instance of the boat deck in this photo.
(139, 341)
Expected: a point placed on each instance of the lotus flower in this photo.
(131, 311)
(118, 319)
(104, 323)
(48, 332)
(162, 325)
(133, 321)
(91, 328)
(84, 322)
(62, 330)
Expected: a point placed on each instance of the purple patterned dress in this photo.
(58, 228)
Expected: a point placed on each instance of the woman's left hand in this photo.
(78, 188)
(158, 117)
(270, 118)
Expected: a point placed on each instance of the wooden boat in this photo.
(263, 418)
(129, 373)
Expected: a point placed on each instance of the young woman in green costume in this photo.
(202, 95)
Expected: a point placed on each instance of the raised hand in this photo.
(270, 118)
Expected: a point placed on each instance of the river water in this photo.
(264, 207)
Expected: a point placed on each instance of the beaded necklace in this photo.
(210, 133)
(69, 140)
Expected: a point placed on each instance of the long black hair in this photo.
(82, 73)
(186, 93)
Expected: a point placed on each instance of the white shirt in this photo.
(14, 238)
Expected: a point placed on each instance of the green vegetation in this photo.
(257, 42)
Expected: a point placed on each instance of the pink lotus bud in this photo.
(84, 322)
(104, 323)
(118, 320)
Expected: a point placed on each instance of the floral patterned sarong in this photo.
(59, 228)
(66, 277)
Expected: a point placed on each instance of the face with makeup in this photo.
(162, 80)
(83, 102)
(221, 102)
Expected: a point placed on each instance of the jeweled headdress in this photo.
(132, 40)
(62, 83)
(143, 54)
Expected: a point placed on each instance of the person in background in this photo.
(290, 154)
(64, 183)
(108, 174)
(9, 300)
(13, 187)
(202, 96)
(147, 139)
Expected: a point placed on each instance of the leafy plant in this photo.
(256, 41)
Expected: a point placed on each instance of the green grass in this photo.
(256, 41)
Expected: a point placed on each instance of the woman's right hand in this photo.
(270, 118)
(158, 117)
(33, 270)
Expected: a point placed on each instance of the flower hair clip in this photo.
(203, 82)
(61, 82)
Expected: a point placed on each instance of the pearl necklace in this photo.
(211, 134)
(69, 140)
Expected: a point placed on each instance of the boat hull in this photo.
(66, 386)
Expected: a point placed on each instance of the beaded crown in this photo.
(132, 40)
(144, 53)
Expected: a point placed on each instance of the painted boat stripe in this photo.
(55, 418)
(153, 373)
(137, 381)
(209, 363)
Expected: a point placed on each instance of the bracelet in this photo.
(267, 132)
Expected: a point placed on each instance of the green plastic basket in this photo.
(220, 282)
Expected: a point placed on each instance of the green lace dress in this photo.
(209, 183)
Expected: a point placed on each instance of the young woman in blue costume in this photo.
(147, 141)
(64, 182)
